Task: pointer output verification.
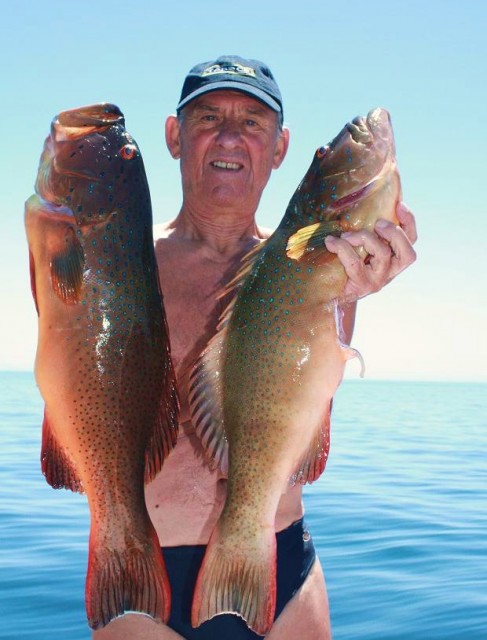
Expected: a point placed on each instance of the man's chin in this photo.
(230, 196)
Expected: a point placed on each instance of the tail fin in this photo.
(132, 579)
(237, 579)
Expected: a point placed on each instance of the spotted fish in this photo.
(103, 363)
(262, 390)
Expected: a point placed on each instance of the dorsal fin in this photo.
(246, 265)
(232, 287)
(205, 391)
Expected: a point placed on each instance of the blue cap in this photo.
(237, 74)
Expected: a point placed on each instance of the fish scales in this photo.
(103, 362)
(261, 392)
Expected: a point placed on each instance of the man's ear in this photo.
(281, 148)
(173, 137)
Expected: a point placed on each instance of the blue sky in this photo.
(426, 62)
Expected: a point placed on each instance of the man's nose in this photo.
(229, 133)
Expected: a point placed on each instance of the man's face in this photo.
(228, 144)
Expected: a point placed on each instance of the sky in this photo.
(426, 62)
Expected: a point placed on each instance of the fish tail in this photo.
(237, 579)
(119, 581)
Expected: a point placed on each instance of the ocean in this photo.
(399, 518)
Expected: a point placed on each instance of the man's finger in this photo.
(400, 245)
(407, 221)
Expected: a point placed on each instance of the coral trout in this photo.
(103, 362)
(262, 390)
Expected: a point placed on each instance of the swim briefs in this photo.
(295, 557)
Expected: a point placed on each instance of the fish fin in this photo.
(307, 239)
(156, 406)
(165, 434)
(67, 269)
(205, 393)
(313, 463)
(58, 469)
(247, 264)
(350, 353)
(32, 271)
(206, 402)
(239, 580)
(132, 579)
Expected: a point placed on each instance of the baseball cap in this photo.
(252, 77)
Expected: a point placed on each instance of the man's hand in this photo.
(390, 251)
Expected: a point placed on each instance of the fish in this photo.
(103, 363)
(262, 390)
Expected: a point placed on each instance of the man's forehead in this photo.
(221, 98)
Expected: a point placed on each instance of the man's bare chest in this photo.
(192, 304)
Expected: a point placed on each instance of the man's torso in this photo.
(186, 498)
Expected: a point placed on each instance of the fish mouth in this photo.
(84, 120)
(359, 130)
(362, 129)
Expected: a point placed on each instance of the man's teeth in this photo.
(225, 165)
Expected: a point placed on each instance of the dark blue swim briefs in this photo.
(295, 557)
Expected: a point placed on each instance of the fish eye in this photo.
(321, 152)
(128, 151)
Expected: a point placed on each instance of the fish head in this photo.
(343, 171)
(90, 166)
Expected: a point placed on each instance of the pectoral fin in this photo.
(67, 269)
(32, 269)
(311, 238)
(56, 465)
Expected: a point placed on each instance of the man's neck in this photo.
(223, 234)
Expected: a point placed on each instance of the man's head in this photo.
(228, 134)
(251, 77)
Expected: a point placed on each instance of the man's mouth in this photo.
(231, 166)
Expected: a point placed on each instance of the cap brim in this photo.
(234, 86)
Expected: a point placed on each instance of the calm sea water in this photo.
(399, 518)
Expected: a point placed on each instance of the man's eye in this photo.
(250, 123)
(209, 118)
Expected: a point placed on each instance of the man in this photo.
(228, 136)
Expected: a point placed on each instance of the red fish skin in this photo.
(104, 370)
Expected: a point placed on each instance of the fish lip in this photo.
(103, 113)
(378, 116)
(81, 121)
(363, 130)
(359, 130)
